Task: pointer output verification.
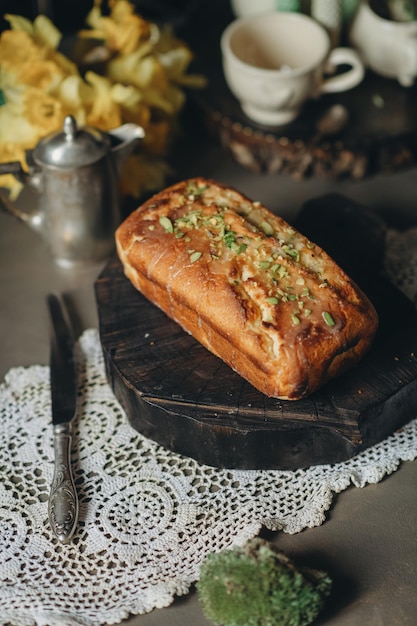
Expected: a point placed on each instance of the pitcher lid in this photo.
(72, 147)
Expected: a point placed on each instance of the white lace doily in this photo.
(148, 517)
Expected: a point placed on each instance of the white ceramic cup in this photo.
(389, 48)
(274, 62)
(241, 8)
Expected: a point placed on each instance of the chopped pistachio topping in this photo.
(229, 238)
(194, 256)
(283, 272)
(267, 228)
(264, 265)
(194, 190)
(270, 261)
(305, 293)
(291, 252)
(328, 318)
(166, 224)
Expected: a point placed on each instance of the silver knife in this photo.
(63, 499)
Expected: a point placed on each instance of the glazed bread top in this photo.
(248, 286)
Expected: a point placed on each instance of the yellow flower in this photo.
(144, 70)
(42, 111)
(158, 137)
(18, 48)
(142, 174)
(42, 30)
(122, 31)
(105, 112)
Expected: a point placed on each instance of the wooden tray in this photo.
(381, 135)
(180, 395)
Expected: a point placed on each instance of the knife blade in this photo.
(63, 498)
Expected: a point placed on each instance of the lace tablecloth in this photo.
(148, 517)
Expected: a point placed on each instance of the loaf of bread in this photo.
(248, 286)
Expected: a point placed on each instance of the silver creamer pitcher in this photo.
(75, 173)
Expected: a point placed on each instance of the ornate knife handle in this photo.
(63, 500)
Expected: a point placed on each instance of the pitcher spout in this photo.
(127, 138)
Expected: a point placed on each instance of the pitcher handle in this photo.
(14, 168)
(29, 215)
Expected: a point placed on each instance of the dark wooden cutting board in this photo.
(177, 393)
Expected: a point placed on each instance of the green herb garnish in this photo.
(328, 318)
(194, 256)
(292, 252)
(166, 224)
(194, 190)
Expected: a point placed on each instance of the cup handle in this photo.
(350, 78)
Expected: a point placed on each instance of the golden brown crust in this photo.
(254, 291)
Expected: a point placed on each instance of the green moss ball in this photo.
(257, 585)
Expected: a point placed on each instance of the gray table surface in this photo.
(369, 542)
